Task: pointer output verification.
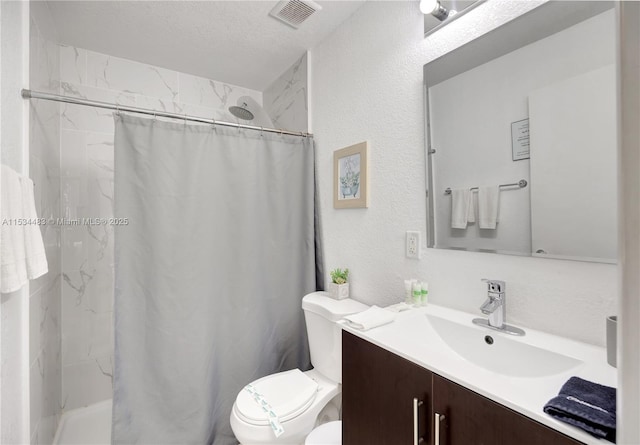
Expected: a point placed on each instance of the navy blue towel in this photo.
(586, 405)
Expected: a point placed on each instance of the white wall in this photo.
(14, 307)
(45, 309)
(12, 53)
(470, 118)
(366, 84)
(629, 225)
(574, 167)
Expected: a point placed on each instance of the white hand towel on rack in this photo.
(462, 209)
(488, 206)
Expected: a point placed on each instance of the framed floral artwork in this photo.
(351, 177)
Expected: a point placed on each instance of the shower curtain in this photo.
(215, 249)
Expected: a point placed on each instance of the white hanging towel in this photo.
(462, 209)
(488, 206)
(22, 255)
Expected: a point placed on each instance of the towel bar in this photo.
(521, 183)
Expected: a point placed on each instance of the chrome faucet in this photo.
(495, 308)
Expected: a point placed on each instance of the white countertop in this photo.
(413, 337)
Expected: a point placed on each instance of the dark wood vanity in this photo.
(386, 399)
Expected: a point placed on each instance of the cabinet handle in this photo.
(439, 418)
(416, 439)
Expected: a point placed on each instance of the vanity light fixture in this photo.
(435, 8)
(439, 13)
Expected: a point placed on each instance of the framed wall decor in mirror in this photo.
(521, 137)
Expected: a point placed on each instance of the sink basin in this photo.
(493, 351)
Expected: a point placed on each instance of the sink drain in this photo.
(488, 339)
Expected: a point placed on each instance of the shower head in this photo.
(241, 112)
(248, 109)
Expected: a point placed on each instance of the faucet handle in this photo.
(496, 286)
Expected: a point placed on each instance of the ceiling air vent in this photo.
(294, 12)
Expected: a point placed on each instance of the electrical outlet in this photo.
(412, 245)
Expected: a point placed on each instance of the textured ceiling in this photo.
(231, 41)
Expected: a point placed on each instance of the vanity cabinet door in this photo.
(378, 390)
(473, 419)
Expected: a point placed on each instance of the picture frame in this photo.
(520, 140)
(351, 177)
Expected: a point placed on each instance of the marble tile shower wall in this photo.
(286, 99)
(87, 192)
(45, 316)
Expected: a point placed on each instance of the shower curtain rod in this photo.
(29, 94)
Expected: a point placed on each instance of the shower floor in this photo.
(86, 426)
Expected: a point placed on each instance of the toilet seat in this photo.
(288, 393)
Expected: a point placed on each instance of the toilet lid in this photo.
(288, 393)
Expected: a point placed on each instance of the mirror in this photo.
(521, 137)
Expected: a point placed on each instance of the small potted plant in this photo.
(339, 286)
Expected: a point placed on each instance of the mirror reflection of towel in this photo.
(488, 206)
(462, 210)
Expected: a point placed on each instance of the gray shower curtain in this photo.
(211, 269)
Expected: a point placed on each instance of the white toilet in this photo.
(301, 400)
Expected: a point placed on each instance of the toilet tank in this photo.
(321, 312)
